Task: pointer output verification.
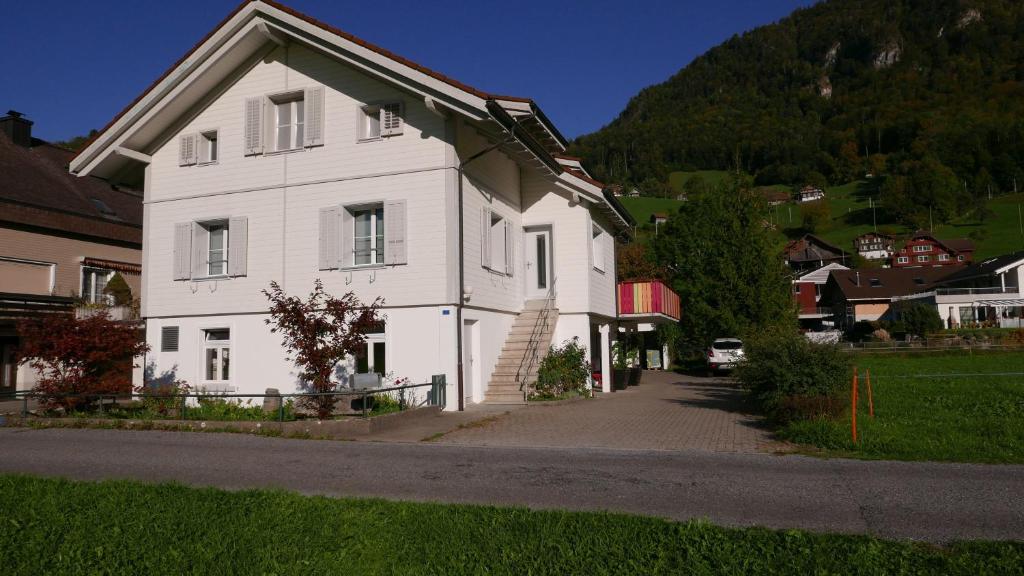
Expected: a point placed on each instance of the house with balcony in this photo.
(983, 294)
(283, 149)
(868, 294)
(807, 290)
(62, 238)
(924, 249)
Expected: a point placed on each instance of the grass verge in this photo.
(63, 527)
(924, 411)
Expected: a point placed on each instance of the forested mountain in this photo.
(929, 92)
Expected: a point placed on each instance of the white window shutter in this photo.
(391, 119)
(348, 232)
(200, 249)
(187, 151)
(508, 247)
(395, 246)
(314, 130)
(253, 132)
(485, 237)
(330, 238)
(238, 245)
(182, 251)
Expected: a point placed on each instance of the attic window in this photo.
(875, 282)
(105, 210)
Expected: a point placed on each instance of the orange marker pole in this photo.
(853, 407)
(871, 398)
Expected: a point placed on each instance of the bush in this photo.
(79, 359)
(791, 377)
(565, 369)
(919, 319)
(118, 290)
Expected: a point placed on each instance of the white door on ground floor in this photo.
(538, 263)
(470, 351)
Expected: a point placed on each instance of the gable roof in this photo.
(954, 245)
(989, 267)
(882, 283)
(38, 191)
(137, 130)
(820, 276)
(809, 248)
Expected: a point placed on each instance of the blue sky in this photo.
(72, 65)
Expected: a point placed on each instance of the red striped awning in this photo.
(126, 267)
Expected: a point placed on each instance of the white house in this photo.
(282, 149)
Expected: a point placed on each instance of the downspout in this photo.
(462, 265)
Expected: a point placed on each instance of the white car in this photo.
(724, 354)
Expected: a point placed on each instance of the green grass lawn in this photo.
(945, 418)
(61, 527)
(642, 207)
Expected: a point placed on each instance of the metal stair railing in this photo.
(532, 354)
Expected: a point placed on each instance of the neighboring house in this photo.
(659, 218)
(61, 238)
(810, 194)
(923, 249)
(874, 246)
(807, 290)
(810, 252)
(283, 149)
(986, 293)
(867, 294)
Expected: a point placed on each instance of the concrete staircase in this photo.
(525, 346)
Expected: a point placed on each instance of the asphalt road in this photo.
(921, 501)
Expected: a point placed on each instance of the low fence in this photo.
(436, 396)
(944, 345)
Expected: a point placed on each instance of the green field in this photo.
(642, 207)
(712, 178)
(58, 527)
(851, 217)
(923, 412)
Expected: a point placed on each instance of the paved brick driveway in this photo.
(667, 411)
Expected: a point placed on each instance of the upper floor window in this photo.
(208, 147)
(212, 248)
(499, 253)
(289, 121)
(377, 120)
(902, 260)
(368, 234)
(923, 258)
(597, 247)
(94, 281)
(959, 257)
(943, 257)
(922, 248)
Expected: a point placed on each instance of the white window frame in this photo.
(903, 260)
(296, 100)
(52, 287)
(377, 224)
(597, 247)
(95, 297)
(924, 258)
(943, 257)
(922, 248)
(218, 384)
(498, 244)
(372, 339)
(375, 110)
(960, 258)
(225, 248)
(209, 147)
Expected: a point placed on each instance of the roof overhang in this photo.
(251, 32)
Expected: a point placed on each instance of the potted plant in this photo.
(620, 372)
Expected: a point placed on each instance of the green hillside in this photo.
(642, 207)
(926, 95)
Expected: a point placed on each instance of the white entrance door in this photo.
(538, 263)
(469, 347)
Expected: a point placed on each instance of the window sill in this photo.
(598, 270)
(373, 139)
(210, 163)
(283, 152)
(211, 278)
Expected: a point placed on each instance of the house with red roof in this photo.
(283, 149)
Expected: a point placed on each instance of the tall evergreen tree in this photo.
(725, 266)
